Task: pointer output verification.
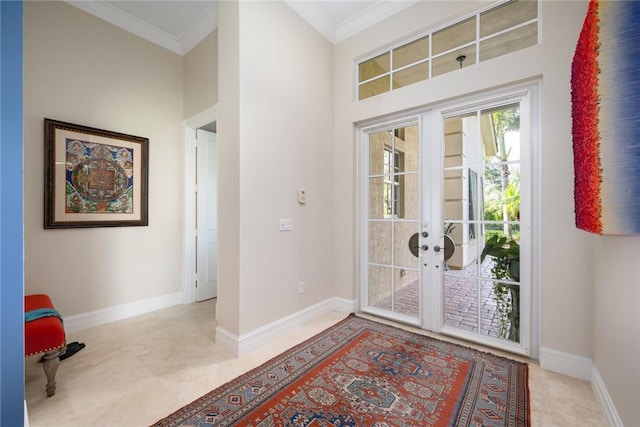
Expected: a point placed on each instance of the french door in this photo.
(445, 220)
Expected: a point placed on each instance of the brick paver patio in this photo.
(460, 301)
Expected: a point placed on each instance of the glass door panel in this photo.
(481, 212)
(393, 221)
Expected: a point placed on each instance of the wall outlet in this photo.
(301, 287)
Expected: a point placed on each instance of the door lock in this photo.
(437, 248)
(425, 247)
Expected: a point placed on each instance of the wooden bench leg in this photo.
(50, 366)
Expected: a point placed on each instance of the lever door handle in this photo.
(448, 248)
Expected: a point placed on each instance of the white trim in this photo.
(202, 118)
(535, 125)
(603, 398)
(241, 345)
(82, 321)
(566, 363)
(188, 219)
(369, 17)
(199, 30)
(227, 340)
(313, 18)
(341, 31)
(431, 213)
(180, 45)
(128, 23)
(361, 205)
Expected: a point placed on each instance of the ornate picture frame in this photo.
(94, 177)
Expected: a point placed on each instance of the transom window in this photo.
(502, 29)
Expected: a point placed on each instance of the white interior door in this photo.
(206, 216)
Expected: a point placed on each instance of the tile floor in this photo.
(136, 371)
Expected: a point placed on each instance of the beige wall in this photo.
(82, 70)
(617, 322)
(457, 152)
(282, 131)
(228, 310)
(567, 279)
(200, 80)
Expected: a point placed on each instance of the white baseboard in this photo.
(241, 345)
(100, 317)
(584, 369)
(566, 363)
(603, 398)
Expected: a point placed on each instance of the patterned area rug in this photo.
(363, 373)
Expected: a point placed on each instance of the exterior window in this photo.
(502, 29)
(391, 183)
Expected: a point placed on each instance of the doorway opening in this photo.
(445, 214)
(200, 207)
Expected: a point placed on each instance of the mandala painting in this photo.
(99, 178)
(94, 177)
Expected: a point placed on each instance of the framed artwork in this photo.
(94, 177)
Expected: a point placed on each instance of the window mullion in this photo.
(478, 38)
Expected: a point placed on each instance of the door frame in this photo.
(427, 118)
(189, 127)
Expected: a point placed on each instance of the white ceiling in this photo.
(181, 24)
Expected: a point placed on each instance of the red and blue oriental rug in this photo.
(363, 373)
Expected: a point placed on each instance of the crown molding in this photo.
(369, 17)
(207, 22)
(337, 33)
(182, 45)
(314, 18)
(199, 30)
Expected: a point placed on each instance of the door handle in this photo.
(448, 249)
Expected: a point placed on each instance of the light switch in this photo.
(285, 224)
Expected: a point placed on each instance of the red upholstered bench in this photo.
(44, 335)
